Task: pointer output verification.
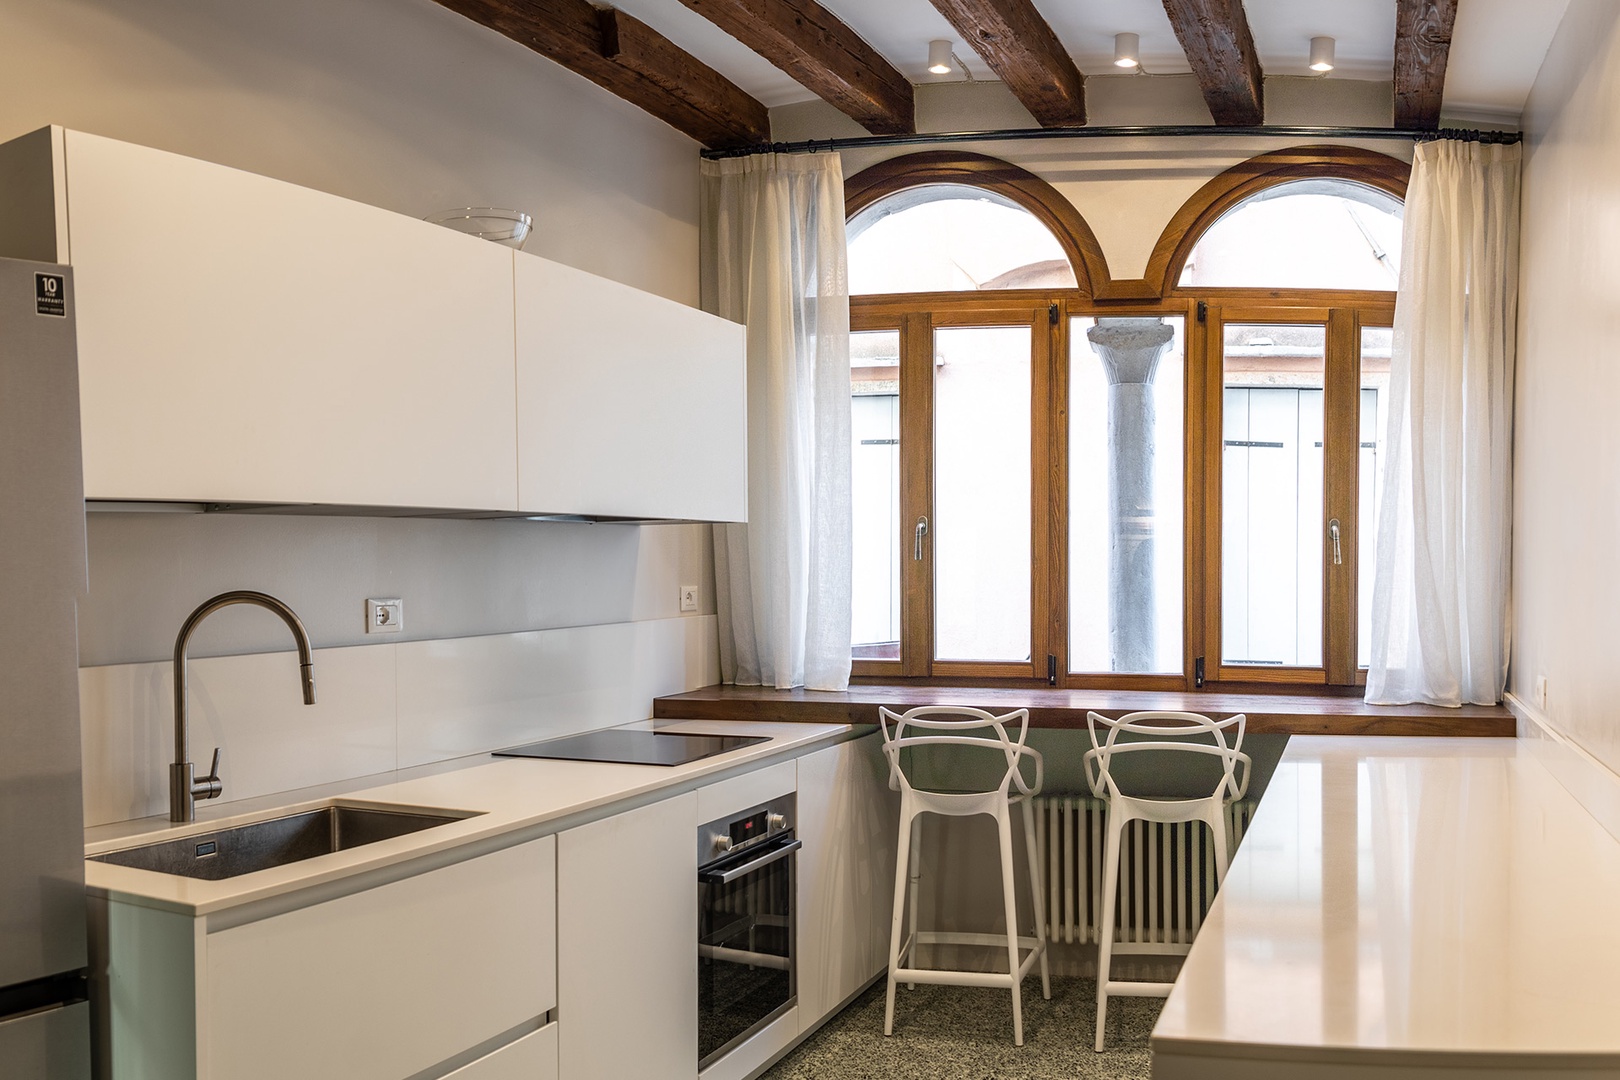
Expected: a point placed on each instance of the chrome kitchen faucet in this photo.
(184, 788)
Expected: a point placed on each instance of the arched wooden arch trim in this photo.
(1079, 243)
(1239, 182)
(1024, 188)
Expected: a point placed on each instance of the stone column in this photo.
(1130, 350)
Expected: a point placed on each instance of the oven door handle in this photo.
(732, 873)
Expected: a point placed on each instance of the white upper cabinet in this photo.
(630, 405)
(247, 340)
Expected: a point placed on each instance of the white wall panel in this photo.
(465, 695)
(250, 707)
(380, 707)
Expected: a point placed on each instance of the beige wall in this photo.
(1566, 576)
(405, 105)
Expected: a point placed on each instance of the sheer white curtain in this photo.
(1440, 598)
(774, 259)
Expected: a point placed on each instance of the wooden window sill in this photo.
(1290, 714)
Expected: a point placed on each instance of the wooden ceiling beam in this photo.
(1422, 46)
(824, 55)
(1215, 36)
(624, 55)
(1017, 44)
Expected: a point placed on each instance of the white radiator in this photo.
(1166, 872)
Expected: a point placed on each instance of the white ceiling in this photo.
(1496, 51)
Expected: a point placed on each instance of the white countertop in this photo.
(1434, 902)
(512, 798)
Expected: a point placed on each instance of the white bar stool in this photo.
(975, 732)
(1161, 733)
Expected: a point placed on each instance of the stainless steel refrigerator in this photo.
(44, 1017)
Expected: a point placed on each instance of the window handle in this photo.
(1333, 534)
(917, 542)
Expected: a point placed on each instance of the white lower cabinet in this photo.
(454, 972)
(386, 984)
(848, 820)
(627, 945)
(533, 1057)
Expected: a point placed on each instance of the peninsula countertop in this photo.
(1412, 906)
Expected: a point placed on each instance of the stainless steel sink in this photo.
(243, 849)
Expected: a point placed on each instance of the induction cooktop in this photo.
(634, 747)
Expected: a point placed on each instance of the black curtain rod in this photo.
(812, 146)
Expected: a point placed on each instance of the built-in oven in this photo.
(746, 882)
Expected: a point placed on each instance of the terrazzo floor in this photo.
(965, 1033)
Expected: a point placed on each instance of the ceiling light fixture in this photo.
(939, 56)
(1322, 54)
(1126, 50)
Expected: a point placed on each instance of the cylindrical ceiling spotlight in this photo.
(1127, 48)
(939, 56)
(1321, 54)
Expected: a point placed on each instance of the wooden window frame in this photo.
(1098, 295)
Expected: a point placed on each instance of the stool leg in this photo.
(901, 864)
(1217, 826)
(916, 891)
(1105, 930)
(1036, 894)
(1004, 827)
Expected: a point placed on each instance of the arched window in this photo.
(952, 238)
(1323, 233)
(1165, 483)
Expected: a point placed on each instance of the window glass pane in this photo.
(952, 238)
(980, 530)
(1125, 495)
(1271, 495)
(1305, 234)
(875, 491)
(1376, 343)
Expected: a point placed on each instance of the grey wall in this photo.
(457, 578)
(398, 103)
(406, 105)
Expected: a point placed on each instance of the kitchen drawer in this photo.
(533, 1057)
(388, 982)
(728, 796)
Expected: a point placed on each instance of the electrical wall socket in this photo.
(689, 597)
(1541, 691)
(385, 616)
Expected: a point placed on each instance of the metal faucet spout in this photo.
(184, 788)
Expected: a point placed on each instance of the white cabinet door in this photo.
(629, 405)
(245, 339)
(627, 945)
(389, 982)
(848, 820)
(533, 1057)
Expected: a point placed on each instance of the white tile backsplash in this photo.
(463, 695)
(380, 707)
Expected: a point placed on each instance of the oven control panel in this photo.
(744, 830)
